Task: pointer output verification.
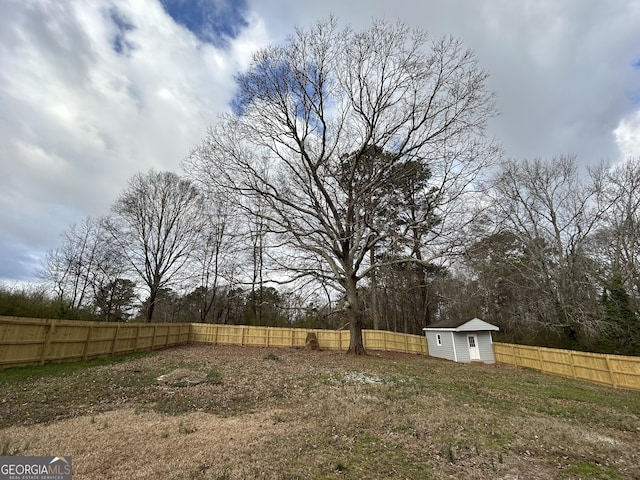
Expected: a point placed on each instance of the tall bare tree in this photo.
(72, 267)
(305, 120)
(216, 255)
(621, 229)
(616, 246)
(156, 221)
(552, 212)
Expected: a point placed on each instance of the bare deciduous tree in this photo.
(216, 256)
(156, 222)
(72, 267)
(306, 118)
(621, 229)
(552, 212)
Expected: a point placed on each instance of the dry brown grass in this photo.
(287, 414)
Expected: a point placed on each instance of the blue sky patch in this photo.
(636, 64)
(264, 81)
(274, 81)
(212, 21)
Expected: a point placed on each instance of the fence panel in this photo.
(99, 341)
(28, 341)
(625, 371)
(614, 370)
(66, 341)
(394, 342)
(23, 342)
(595, 368)
(557, 361)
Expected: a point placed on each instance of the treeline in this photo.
(265, 307)
(552, 259)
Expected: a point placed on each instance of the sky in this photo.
(95, 91)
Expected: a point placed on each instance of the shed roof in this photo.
(473, 325)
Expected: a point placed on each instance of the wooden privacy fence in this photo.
(29, 341)
(295, 337)
(266, 336)
(614, 370)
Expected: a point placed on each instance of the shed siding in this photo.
(462, 347)
(486, 347)
(441, 351)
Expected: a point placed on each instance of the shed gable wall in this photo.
(485, 347)
(462, 347)
(476, 325)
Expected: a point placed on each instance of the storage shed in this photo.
(461, 340)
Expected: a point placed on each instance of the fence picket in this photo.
(611, 371)
(85, 352)
(572, 365)
(45, 347)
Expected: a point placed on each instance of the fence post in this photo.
(513, 353)
(540, 363)
(153, 338)
(85, 351)
(115, 340)
(571, 364)
(137, 341)
(614, 382)
(45, 347)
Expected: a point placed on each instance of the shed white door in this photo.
(474, 351)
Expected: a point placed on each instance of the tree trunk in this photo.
(153, 296)
(374, 293)
(355, 313)
(356, 345)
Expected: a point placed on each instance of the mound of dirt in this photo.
(182, 377)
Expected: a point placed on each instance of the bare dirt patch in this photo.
(284, 414)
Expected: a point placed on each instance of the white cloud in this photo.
(80, 118)
(627, 136)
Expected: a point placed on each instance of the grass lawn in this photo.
(286, 413)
